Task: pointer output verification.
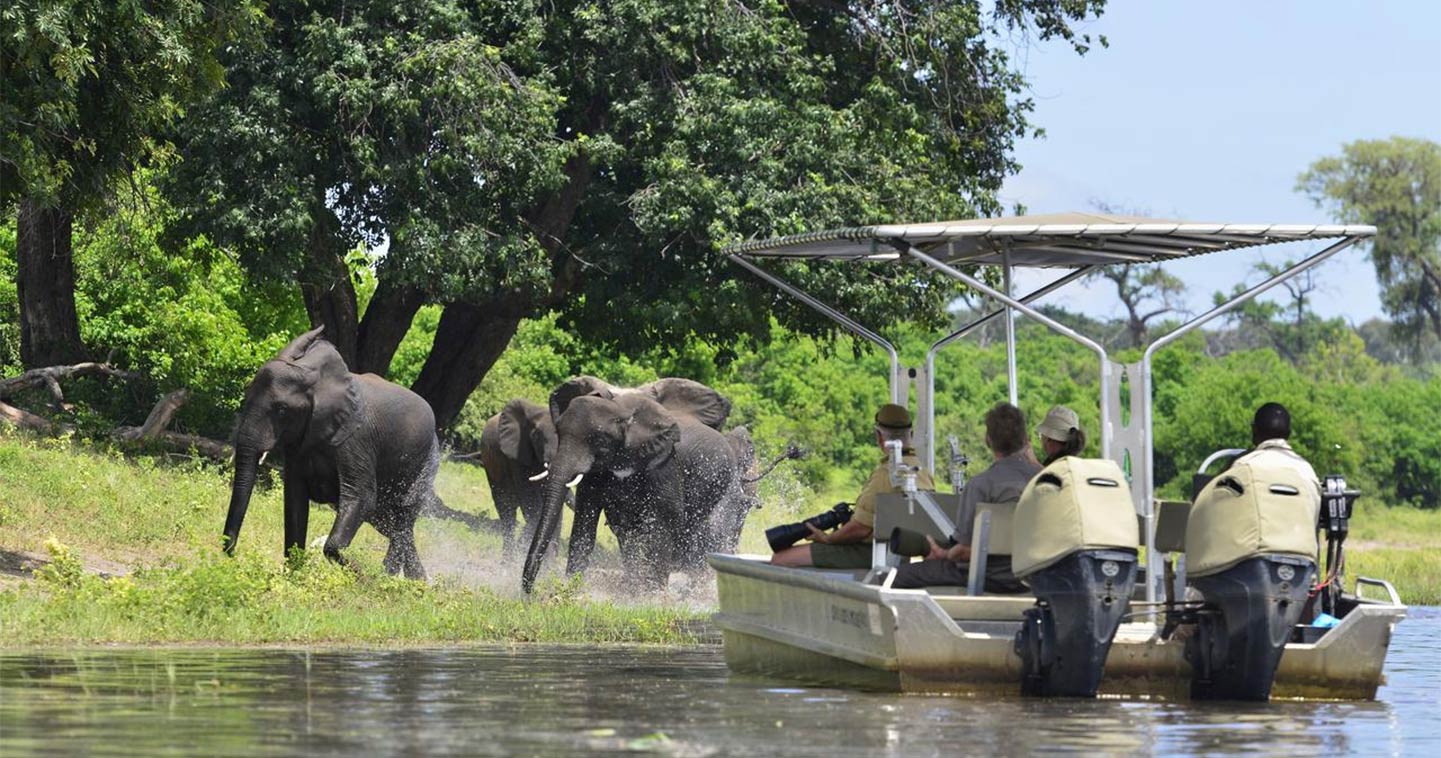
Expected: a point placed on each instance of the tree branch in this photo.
(50, 377)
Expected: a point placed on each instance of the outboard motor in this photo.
(1075, 539)
(1251, 553)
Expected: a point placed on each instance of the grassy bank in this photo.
(82, 513)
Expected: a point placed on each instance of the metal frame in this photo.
(1137, 236)
(1055, 326)
(927, 411)
(898, 383)
(1147, 483)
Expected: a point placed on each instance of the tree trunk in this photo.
(387, 318)
(49, 329)
(471, 338)
(468, 342)
(325, 284)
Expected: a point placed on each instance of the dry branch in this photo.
(50, 376)
(152, 432)
(158, 419)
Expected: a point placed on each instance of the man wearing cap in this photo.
(1061, 434)
(1270, 428)
(849, 547)
(1003, 482)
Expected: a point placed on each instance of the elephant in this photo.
(652, 459)
(357, 442)
(515, 446)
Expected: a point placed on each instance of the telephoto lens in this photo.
(785, 535)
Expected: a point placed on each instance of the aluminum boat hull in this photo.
(828, 628)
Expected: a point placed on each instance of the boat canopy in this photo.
(1057, 240)
(1081, 242)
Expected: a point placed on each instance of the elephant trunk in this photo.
(247, 460)
(553, 502)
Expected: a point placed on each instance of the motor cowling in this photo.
(1251, 554)
(1074, 544)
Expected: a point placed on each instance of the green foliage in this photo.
(563, 156)
(9, 305)
(90, 84)
(187, 318)
(1395, 185)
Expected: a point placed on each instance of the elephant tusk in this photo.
(262, 459)
(540, 476)
(575, 481)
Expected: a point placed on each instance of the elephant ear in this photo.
(692, 399)
(334, 391)
(650, 432)
(299, 346)
(575, 387)
(511, 429)
(744, 447)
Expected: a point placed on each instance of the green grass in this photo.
(158, 521)
(96, 510)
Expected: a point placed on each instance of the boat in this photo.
(1113, 610)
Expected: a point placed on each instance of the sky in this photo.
(1208, 111)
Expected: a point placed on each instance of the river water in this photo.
(578, 700)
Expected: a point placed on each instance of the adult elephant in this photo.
(357, 442)
(652, 459)
(515, 446)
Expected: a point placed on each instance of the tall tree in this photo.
(1147, 293)
(88, 85)
(1394, 184)
(591, 157)
(1290, 325)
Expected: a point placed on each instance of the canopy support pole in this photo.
(900, 384)
(928, 440)
(1010, 331)
(1147, 482)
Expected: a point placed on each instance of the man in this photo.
(849, 547)
(1003, 482)
(1270, 428)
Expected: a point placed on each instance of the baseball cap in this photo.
(892, 416)
(1058, 424)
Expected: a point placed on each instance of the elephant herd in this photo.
(654, 459)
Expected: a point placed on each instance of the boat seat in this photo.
(1171, 516)
(989, 529)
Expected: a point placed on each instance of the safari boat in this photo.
(1113, 610)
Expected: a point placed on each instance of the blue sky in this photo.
(1208, 111)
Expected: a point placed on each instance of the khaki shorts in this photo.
(856, 555)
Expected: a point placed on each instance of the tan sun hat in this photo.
(892, 416)
(1059, 422)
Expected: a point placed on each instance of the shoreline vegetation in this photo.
(133, 559)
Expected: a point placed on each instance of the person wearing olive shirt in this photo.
(849, 547)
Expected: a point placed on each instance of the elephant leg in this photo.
(505, 507)
(357, 499)
(297, 506)
(647, 555)
(402, 555)
(582, 535)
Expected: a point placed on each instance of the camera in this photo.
(785, 535)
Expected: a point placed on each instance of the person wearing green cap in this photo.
(849, 547)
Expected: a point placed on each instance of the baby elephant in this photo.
(357, 442)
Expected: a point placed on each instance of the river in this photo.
(577, 700)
